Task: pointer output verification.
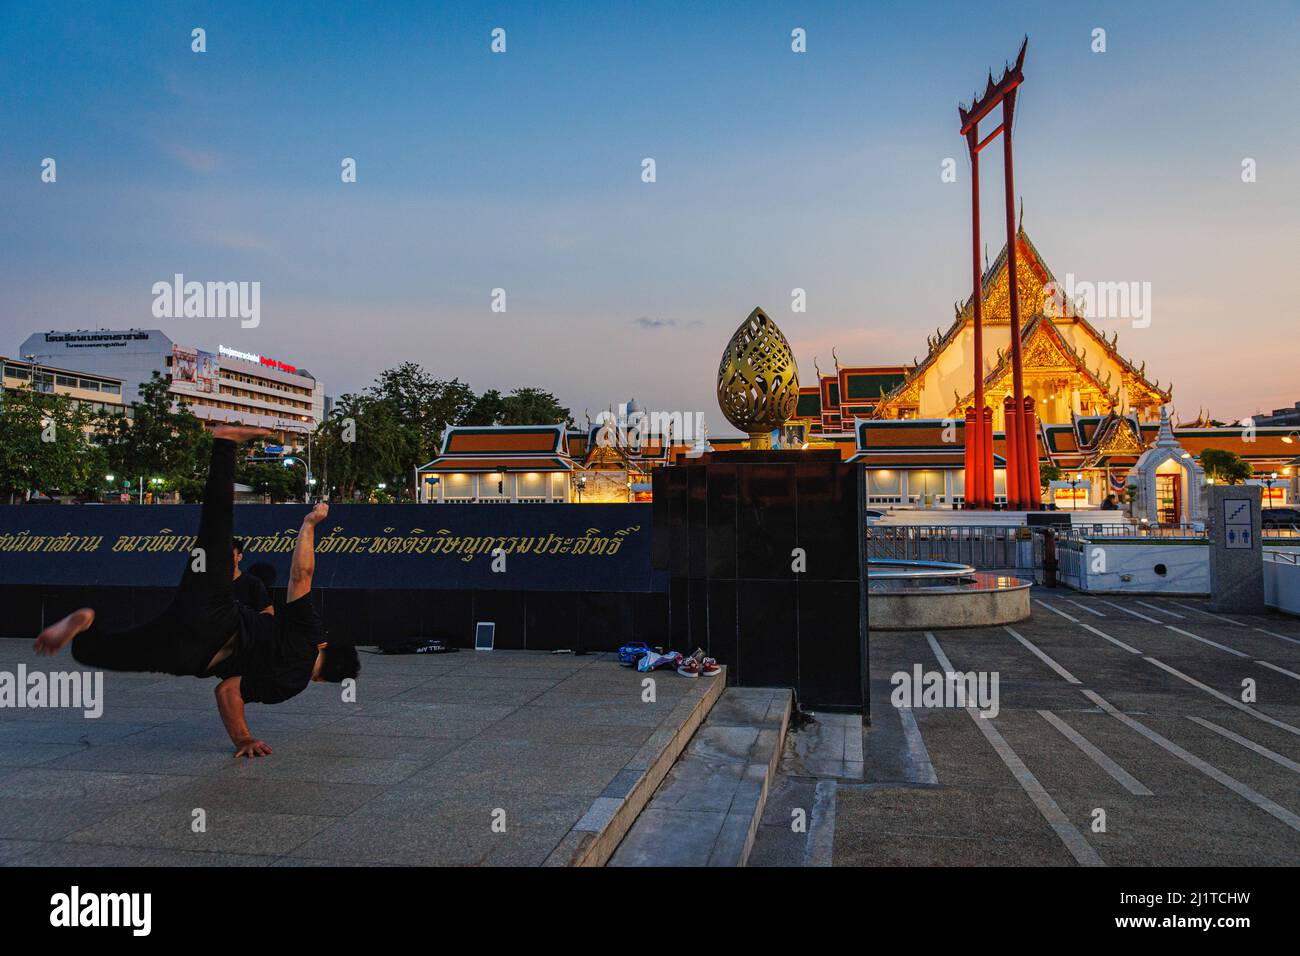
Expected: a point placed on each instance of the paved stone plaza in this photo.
(411, 774)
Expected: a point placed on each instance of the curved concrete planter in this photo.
(928, 609)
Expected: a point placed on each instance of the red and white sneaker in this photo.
(690, 667)
(709, 667)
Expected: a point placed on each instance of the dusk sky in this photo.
(522, 171)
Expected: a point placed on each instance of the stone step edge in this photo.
(769, 774)
(595, 837)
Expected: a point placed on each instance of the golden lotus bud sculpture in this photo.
(758, 381)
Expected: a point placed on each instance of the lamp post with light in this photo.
(310, 482)
(1269, 482)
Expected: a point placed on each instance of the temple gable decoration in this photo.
(1071, 368)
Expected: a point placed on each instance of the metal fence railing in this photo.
(984, 547)
(1088, 532)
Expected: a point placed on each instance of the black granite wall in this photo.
(726, 529)
(532, 620)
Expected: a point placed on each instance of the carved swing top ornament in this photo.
(758, 381)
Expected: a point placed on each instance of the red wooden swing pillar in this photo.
(1021, 421)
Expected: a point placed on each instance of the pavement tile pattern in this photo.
(435, 751)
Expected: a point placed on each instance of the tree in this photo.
(1048, 474)
(426, 405)
(164, 440)
(364, 443)
(487, 409)
(523, 406)
(46, 445)
(533, 406)
(423, 406)
(1225, 466)
(273, 478)
(383, 434)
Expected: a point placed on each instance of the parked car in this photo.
(1280, 517)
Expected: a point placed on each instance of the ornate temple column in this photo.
(987, 438)
(1033, 486)
(1015, 436)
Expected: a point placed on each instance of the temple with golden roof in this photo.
(1097, 409)
(1070, 368)
(905, 423)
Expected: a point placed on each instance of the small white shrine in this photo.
(1168, 481)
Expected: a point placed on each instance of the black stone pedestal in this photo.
(763, 551)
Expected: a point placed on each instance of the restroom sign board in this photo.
(1238, 523)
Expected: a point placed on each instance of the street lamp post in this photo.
(1074, 490)
(311, 482)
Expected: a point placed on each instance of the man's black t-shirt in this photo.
(274, 654)
(251, 592)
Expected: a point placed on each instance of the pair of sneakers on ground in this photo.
(698, 664)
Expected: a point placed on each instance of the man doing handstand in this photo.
(206, 632)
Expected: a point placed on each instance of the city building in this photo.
(226, 385)
(102, 393)
(1281, 416)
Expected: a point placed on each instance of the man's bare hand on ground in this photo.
(253, 748)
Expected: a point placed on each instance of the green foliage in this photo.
(274, 478)
(487, 409)
(379, 436)
(397, 424)
(523, 406)
(160, 442)
(1048, 474)
(423, 405)
(533, 406)
(45, 445)
(361, 445)
(1225, 466)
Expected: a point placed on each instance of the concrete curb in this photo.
(595, 837)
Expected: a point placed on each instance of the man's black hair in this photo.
(340, 662)
(263, 572)
(238, 543)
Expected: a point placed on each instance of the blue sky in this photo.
(521, 171)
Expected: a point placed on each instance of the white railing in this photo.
(1282, 581)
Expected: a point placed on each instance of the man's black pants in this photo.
(203, 613)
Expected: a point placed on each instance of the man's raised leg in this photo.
(164, 643)
(217, 517)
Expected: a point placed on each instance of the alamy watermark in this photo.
(179, 299)
(921, 688)
(1099, 300)
(74, 690)
(632, 428)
